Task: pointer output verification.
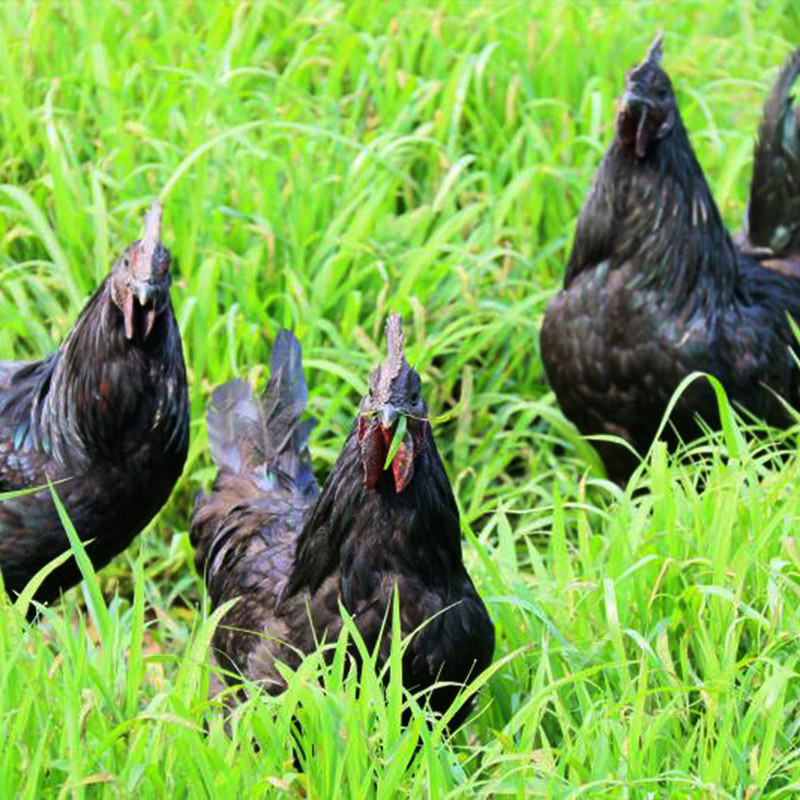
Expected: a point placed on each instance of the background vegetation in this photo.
(323, 163)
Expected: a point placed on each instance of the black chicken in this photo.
(655, 288)
(107, 415)
(269, 536)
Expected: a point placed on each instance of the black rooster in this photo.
(107, 415)
(655, 288)
(269, 536)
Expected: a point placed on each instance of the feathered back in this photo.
(773, 215)
(258, 439)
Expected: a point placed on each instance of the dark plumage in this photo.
(106, 414)
(269, 535)
(656, 289)
(772, 222)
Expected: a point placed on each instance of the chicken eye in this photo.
(414, 399)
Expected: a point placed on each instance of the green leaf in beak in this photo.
(397, 440)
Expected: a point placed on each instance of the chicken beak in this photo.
(143, 296)
(388, 416)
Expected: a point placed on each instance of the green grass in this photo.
(323, 164)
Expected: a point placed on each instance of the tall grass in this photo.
(321, 164)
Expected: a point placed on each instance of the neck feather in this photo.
(104, 390)
(350, 524)
(659, 215)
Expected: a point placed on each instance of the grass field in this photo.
(322, 164)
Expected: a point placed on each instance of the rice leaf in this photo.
(399, 433)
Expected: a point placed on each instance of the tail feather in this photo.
(773, 214)
(235, 427)
(260, 439)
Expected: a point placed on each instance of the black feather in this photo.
(248, 437)
(773, 214)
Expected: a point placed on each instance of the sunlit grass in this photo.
(321, 165)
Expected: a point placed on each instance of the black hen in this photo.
(107, 415)
(268, 535)
(656, 289)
